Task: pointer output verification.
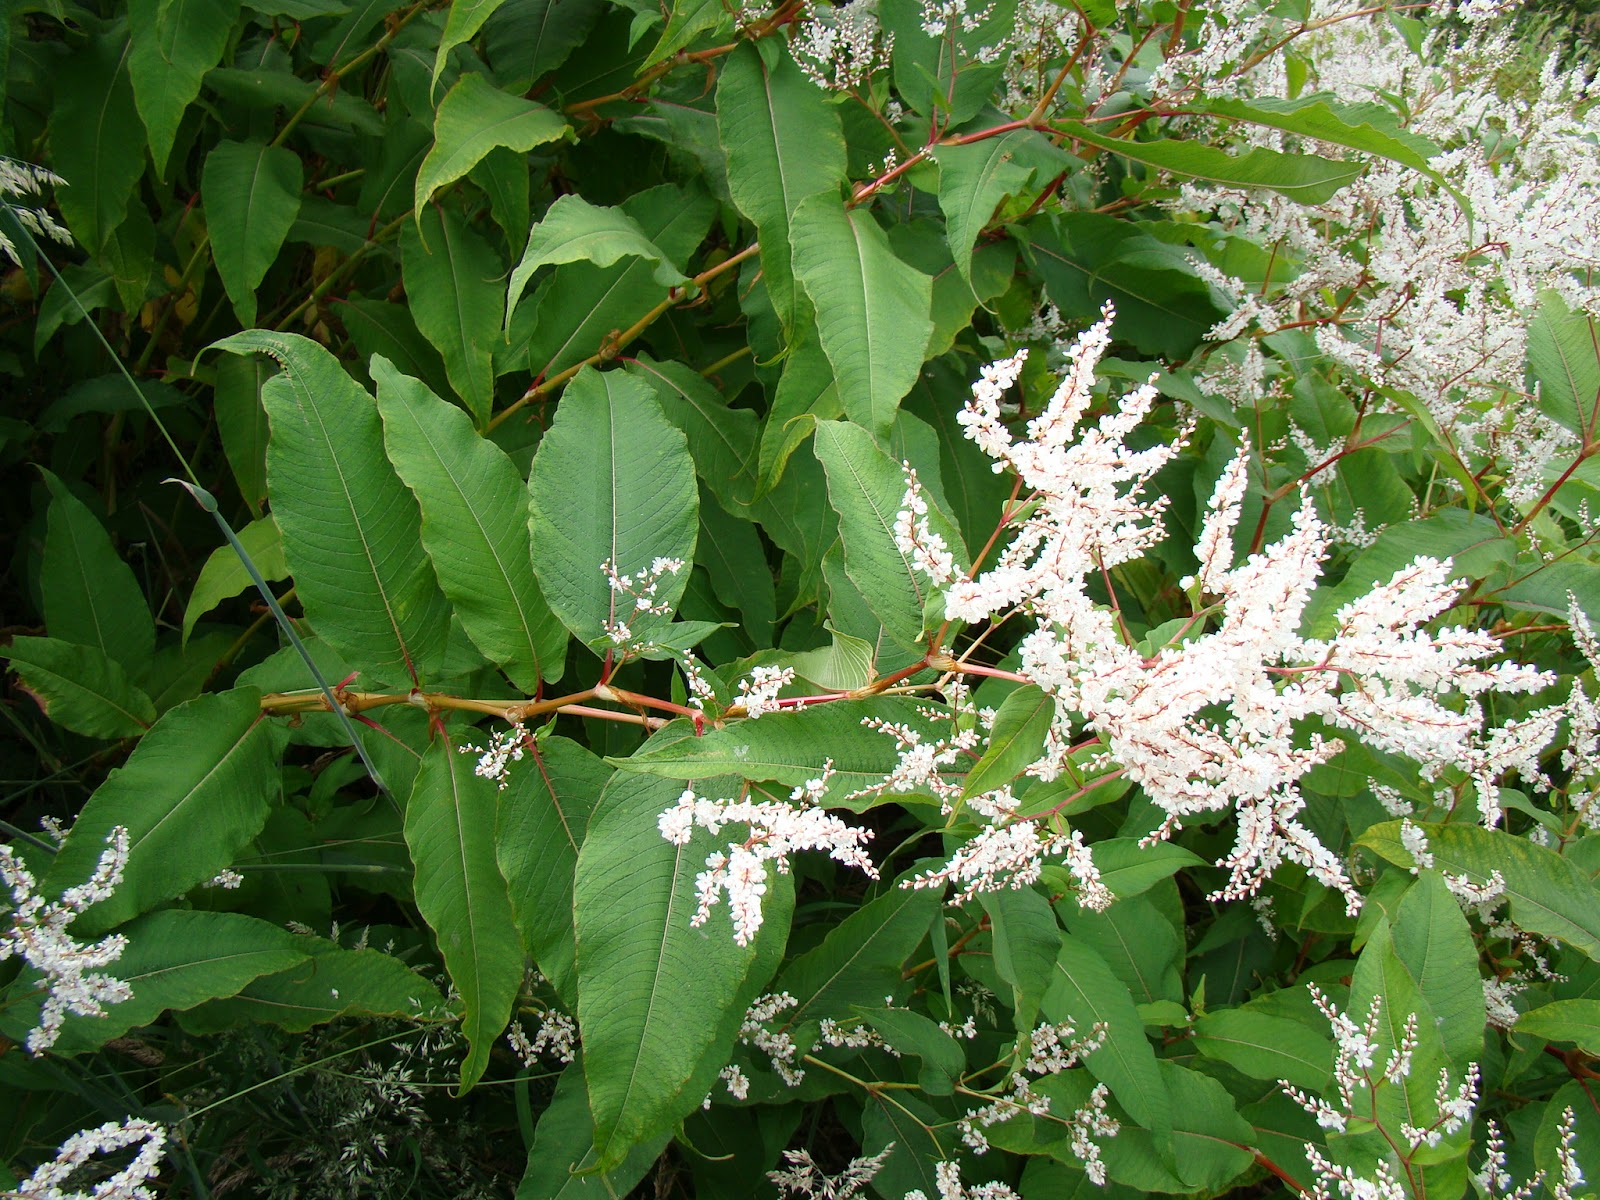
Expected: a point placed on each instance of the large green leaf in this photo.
(612, 482)
(867, 489)
(789, 748)
(1210, 1140)
(175, 960)
(252, 195)
(1026, 938)
(1083, 991)
(473, 528)
(90, 594)
(659, 1001)
(784, 143)
(351, 529)
(872, 308)
(721, 439)
(1264, 1046)
(860, 960)
(96, 139)
(1576, 1021)
(1308, 178)
(573, 230)
(332, 983)
(462, 895)
(689, 19)
(173, 43)
(543, 815)
(1371, 128)
(1564, 356)
(973, 179)
(1431, 938)
(242, 424)
(194, 792)
(1548, 894)
(451, 276)
(80, 688)
(527, 38)
(563, 1146)
(474, 118)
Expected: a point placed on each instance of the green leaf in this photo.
(1027, 939)
(736, 562)
(461, 894)
(473, 528)
(911, 1033)
(867, 490)
(474, 118)
(1163, 306)
(784, 143)
(90, 594)
(224, 574)
(1576, 1021)
(788, 748)
(80, 688)
(252, 195)
(194, 792)
(1084, 991)
(1267, 1047)
(689, 19)
(872, 308)
(377, 327)
(805, 389)
(1131, 869)
(659, 1001)
(1210, 1141)
(1548, 895)
(242, 424)
(573, 230)
(1432, 940)
(1015, 741)
(639, 505)
(973, 180)
(465, 19)
(1371, 128)
(332, 983)
(96, 139)
(1564, 357)
(175, 960)
(721, 439)
(173, 43)
(351, 529)
(450, 275)
(528, 38)
(1307, 178)
(543, 816)
(563, 1145)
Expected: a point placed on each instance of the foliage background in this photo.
(439, 306)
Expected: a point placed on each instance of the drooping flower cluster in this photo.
(21, 180)
(71, 970)
(557, 1035)
(1217, 719)
(840, 46)
(49, 1181)
(777, 830)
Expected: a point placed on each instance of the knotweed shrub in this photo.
(892, 599)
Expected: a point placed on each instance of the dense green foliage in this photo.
(422, 317)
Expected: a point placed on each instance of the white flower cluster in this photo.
(1426, 283)
(947, 1178)
(1357, 1068)
(777, 830)
(1215, 720)
(641, 588)
(557, 1035)
(840, 46)
(758, 694)
(71, 970)
(1051, 1050)
(777, 1044)
(506, 746)
(49, 1180)
(20, 179)
(802, 1179)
